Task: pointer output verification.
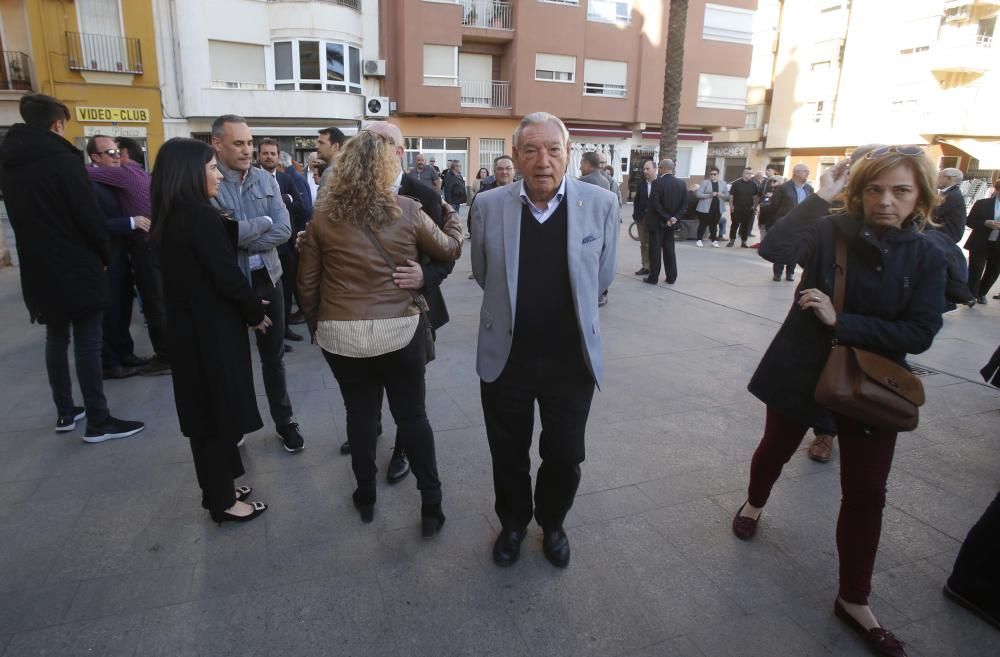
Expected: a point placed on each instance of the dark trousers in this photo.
(865, 460)
(789, 269)
(87, 351)
(709, 220)
(983, 271)
(661, 245)
(271, 348)
(824, 423)
(401, 373)
(976, 575)
(742, 221)
(117, 317)
(149, 282)
(509, 410)
(289, 268)
(217, 463)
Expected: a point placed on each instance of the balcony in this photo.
(487, 14)
(953, 59)
(103, 53)
(15, 71)
(962, 11)
(353, 4)
(484, 94)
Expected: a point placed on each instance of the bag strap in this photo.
(418, 298)
(840, 274)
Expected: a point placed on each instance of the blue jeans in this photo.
(89, 373)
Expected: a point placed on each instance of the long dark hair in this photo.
(178, 179)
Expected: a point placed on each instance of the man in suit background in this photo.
(542, 249)
(786, 197)
(667, 205)
(639, 209)
(590, 171)
(951, 213)
(984, 244)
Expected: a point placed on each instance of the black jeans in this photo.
(509, 410)
(983, 271)
(116, 336)
(289, 268)
(271, 348)
(789, 269)
(401, 373)
(149, 282)
(87, 350)
(217, 463)
(710, 221)
(742, 220)
(661, 244)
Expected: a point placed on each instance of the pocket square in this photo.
(589, 238)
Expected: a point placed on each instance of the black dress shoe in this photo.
(777, 278)
(642, 272)
(131, 360)
(345, 448)
(646, 280)
(555, 546)
(431, 520)
(120, 372)
(365, 504)
(399, 466)
(507, 548)
(981, 299)
(292, 335)
(288, 348)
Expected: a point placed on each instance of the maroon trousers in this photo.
(865, 460)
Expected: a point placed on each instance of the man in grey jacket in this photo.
(254, 200)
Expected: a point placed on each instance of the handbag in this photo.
(418, 299)
(862, 385)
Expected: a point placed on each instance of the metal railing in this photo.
(15, 71)
(353, 4)
(231, 84)
(488, 94)
(104, 53)
(489, 14)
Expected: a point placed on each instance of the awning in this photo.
(609, 132)
(987, 152)
(685, 134)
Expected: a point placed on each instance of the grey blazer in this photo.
(496, 239)
(596, 178)
(704, 193)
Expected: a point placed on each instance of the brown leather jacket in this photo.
(342, 276)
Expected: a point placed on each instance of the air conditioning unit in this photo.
(376, 107)
(374, 68)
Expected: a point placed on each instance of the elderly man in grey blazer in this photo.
(542, 249)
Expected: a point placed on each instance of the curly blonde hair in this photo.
(867, 169)
(360, 188)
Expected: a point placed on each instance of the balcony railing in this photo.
(231, 84)
(489, 14)
(15, 71)
(486, 94)
(972, 56)
(353, 4)
(104, 53)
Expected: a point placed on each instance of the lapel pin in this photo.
(579, 204)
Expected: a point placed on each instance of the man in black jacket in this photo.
(951, 213)
(786, 197)
(62, 244)
(744, 195)
(984, 245)
(639, 209)
(667, 205)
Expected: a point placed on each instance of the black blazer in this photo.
(434, 272)
(951, 213)
(669, 199)
(982, 211)
(292, 197)
(785, 198)
(641, 204)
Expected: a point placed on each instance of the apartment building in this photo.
(887, 71)
(459, 75)
(16, 69)
(290, 67)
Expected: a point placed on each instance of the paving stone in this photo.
(231, 626)
(770, 633)
(36, 607)
(107, 596)
(112, 636)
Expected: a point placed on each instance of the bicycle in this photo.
(633, 231)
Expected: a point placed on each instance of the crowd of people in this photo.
(226, 248)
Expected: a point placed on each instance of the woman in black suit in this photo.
(209, 305)
(984, 244)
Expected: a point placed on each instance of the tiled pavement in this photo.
(105, 551)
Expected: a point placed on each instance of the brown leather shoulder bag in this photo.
(862, 385)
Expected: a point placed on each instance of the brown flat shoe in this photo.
(880, 640)
(744, 528)
(821, 449)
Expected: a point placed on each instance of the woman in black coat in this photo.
(209, 305)
(894, 289)
(984, 245)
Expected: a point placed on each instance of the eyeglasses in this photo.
(911, 150)
(111, 152)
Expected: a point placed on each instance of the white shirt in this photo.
(398, 182)
(542, 215)
(995, 233)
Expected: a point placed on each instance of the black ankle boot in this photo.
(432, 519)
(365, 503)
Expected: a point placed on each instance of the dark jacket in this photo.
(453, 188)
(957, 280)
(979, 240)
(991, 373)
(294, 203)
(640, 205)
(209, 306)
(302, 186)
(785, 198)
(669, 200)
(951, 213)
(892, 307)
(435, 271)
(62, 239)
(743, 195)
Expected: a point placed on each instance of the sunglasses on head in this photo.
(910, 150)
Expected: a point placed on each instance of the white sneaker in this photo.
(699, 243)
(715, 244)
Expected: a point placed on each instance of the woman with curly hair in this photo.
(371, 331)
(895, 282)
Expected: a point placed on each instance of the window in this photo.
(721, 91)
(604, 78)
(731, 24)
(440, 66)
(555, 68)
(236, 65)
(914, 50)
(682, 166)
(949, 162)
(819, 112)
(489, 149)
(299, 65)
(750, 121)
(820, 66)
(609, 11)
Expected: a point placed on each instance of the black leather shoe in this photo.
(555, 546)
(346, 447)
(777, 278)
(431, 520)
(642, 272)
(120, 372)
(131, 360)
(399, 466)
(646, 280)
(507, 548)
(288, 348)
(292, 335)
(365, 504)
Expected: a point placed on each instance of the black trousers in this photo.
(149, 282)
(87, 353)
(271, 348)
(401, 373)
(217, 463)
(983, 271)
(742, 221)
(789, 269)
(976, 574)
(289, 272)
(661, 245)
(509, 410)
(709, 220)
(116, 337)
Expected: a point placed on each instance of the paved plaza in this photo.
(105, 551)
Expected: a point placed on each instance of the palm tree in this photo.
(673, 78)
